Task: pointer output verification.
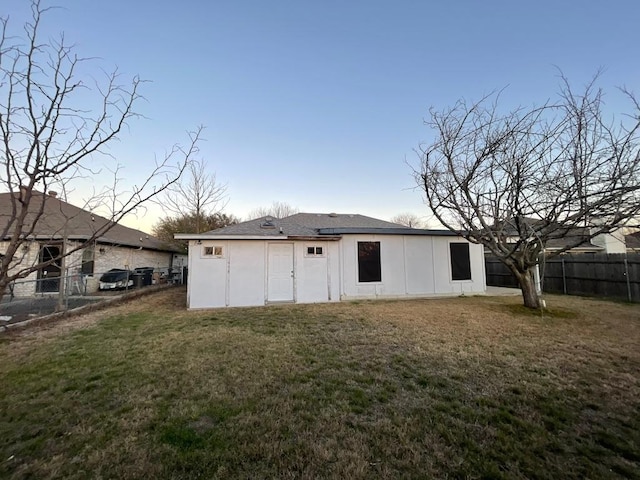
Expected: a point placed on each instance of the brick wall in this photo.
(27, 255)
(106, 257)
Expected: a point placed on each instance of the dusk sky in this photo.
(321, 104)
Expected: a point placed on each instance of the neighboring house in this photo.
(307, 258)
(632, 242)
(604, 243)
(579, 237)
(63, 227)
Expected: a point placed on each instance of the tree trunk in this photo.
(528, 288)
(4, 283)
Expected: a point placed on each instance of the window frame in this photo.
(455, 267)
(89, 271)
(315, 253)
(362, 268)
(212, 251)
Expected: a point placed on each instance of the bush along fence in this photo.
(597, 274)
(29, 298)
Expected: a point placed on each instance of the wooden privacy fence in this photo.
(599, 274)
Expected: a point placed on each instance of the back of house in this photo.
(310, 258)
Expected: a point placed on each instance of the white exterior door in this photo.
(280, 272)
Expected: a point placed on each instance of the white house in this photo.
(308, 258)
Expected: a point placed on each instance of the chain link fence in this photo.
(30, 298)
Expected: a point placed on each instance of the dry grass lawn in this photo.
(450, 388)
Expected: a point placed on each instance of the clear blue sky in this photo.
(320, 104)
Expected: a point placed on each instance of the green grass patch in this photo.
(551, 312)
(452, 388)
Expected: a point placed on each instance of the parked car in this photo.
(116, 279)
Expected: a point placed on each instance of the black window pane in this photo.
(87, 261)
(309, 250)
(460, 262)
(318, 250)
(87, 268)
(369, 262)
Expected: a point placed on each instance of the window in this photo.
(460, 262)
(212, 251)
(369, 269)
(313, 251)
(88, 255)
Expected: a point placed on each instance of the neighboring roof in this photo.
(323, 225)
(573, 235)
(60, 219)
(563, 235)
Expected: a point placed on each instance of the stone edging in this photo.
(91, 307)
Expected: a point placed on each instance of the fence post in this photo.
(62, 284)
(536, 278)
(564, 278)
(626, 274)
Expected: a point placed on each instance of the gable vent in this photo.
(268, 223)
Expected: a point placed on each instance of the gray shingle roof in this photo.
(259, 227)
(317, 224)
(339, 220)
(60, 218)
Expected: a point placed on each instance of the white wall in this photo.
(206, 283)
(234, 278)
(239, 276)
(611, 242)
(419, 265)
(246, 273)
(317, 277)
(412, 265)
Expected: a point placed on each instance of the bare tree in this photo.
(276, 210)
(53, 128)
(197, 196)
(515, 181)
(167, 227)
(408, 219)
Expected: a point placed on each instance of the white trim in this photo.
(213, 254)
(247, 237)
(315, 247)
(200, 236)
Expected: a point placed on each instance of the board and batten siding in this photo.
(316, 277)
(412, 265)
(240, 276)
